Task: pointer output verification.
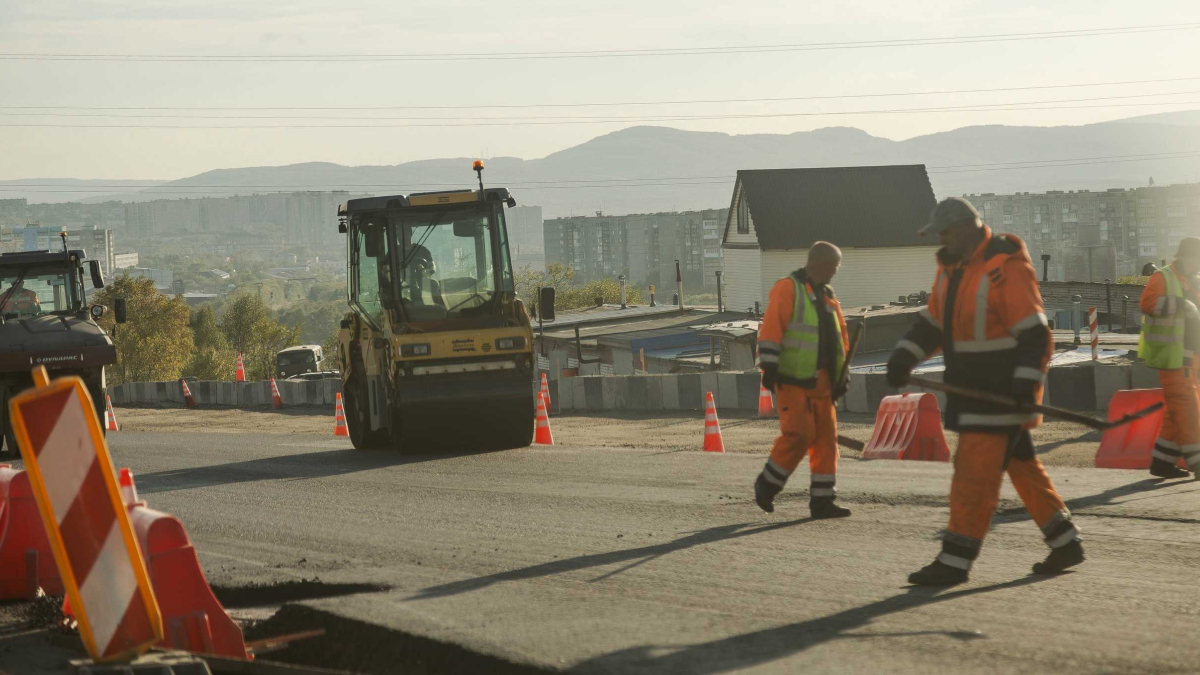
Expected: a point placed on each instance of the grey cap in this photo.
(949, 211)
(1189, 247)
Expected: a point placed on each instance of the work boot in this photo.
(823, 507)
(764, 493)
(1164, 469)
(938, 573)
(1060, 559)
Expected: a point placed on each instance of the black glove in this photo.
(840, 390)
(899, 367)
(1022, 390)
(770, 376)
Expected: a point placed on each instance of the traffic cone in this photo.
(276, 401)
(339, 418)
(546, 392)
(110, 419)
(128, 490)
(712, 428)
(766, 404)
(240, 374)
(543, 435)
(187, 394)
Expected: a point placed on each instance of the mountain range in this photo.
(649, 168)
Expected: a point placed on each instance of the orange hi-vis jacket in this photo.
(986, 317)
(780, 306)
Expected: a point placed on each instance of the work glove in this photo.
(899, 367)
(1022, 390)
(841, 389)
(770, 376)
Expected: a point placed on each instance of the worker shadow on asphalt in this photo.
(303, 466)
(1108, 497)
(633, 556)
(771, 644)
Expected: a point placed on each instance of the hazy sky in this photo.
(311, 27)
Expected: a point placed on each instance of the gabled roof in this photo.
(855, 206)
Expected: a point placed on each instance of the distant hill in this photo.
(54, 190)
(577, 179)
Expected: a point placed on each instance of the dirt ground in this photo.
(1059, 443)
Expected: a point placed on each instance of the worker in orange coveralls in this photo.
(802, 345)
(1170, 328)
(985, 315)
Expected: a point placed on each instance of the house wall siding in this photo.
(743, 278)
(868, 276)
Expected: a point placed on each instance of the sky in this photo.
(311, 28)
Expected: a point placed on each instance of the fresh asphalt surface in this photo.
(606, 560)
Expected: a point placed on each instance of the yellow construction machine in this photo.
(437, 348)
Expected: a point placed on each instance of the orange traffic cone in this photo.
(110, 419)
(339, 418)
(187, 394)
(276, 401)
(712, 428)
(240, 374)
(129, 493)
(543, 435)
(766, 403)
(546, 392)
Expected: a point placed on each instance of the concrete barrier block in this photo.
(856, 394)
(566, 393)
(1109, 380)
(608, 392)
(727, 391)
(877, 388)
(638, 390)
(670, 392)
(709, 382)
(1072, 387)
(594, 392)
(654, 392)
(226, 394)
(1144, 377)
(555, 399)
(747, 390)
(691, 392)
(579, 393)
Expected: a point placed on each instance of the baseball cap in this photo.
(949, 211)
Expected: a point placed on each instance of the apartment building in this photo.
(1096, 235)
(643, 247)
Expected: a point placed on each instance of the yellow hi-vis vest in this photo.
(1161, 343)
(802, 338)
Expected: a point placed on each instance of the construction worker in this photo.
(985, 316)
(802, 345)
(1169, 331)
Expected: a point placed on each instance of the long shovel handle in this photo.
(1050, 411)
(855, 336)
(847, 442)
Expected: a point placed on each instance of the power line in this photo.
(976, 106)
(778, 99)
(998, 107)
(603, 53)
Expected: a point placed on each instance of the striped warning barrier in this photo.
(82, 510)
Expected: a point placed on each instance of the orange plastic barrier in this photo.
(193, 619)
(1129, 446)
(26, 561)
(908, 426)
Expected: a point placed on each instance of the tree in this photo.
(527, 281)
(155, 343)
(568, 293)
(251, 330)
(212, 358)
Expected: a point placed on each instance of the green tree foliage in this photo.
(568, 293)
(212, 358)
(314, 320)
(155, 343)
(250, 328)
(1133, 279)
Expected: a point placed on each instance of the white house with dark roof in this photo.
(871, 212)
